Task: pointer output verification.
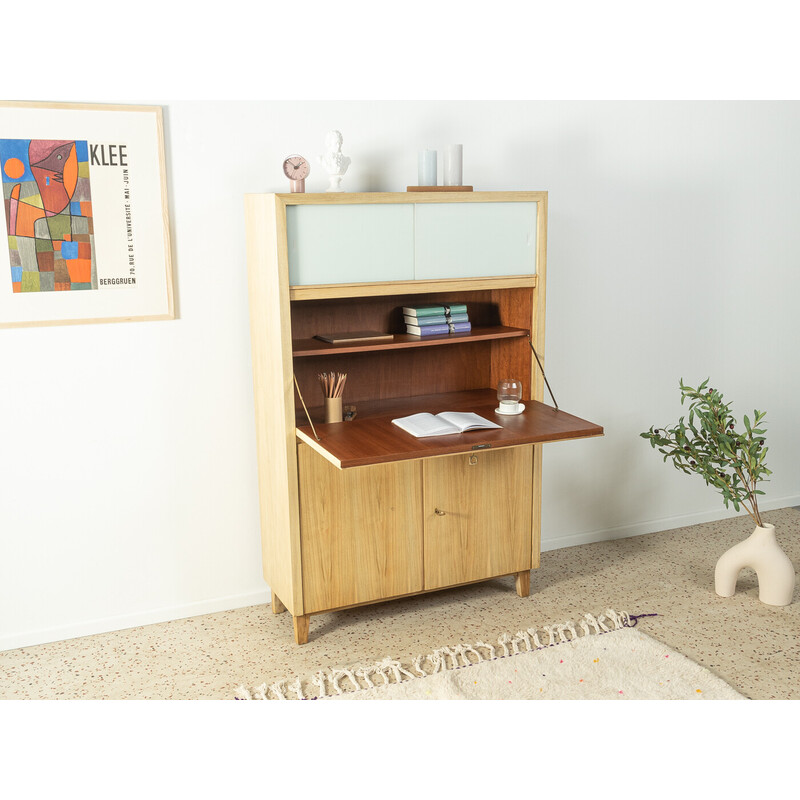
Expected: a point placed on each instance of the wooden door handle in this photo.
(439, 512)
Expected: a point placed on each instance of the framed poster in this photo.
(85, 215)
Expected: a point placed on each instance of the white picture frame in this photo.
(86, 222)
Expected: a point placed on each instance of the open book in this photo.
(447, 422)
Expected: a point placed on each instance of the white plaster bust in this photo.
(333, 161)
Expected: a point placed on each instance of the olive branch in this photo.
(709, 445)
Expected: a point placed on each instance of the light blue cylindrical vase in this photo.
(427, 167)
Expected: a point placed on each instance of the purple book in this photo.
(428, 330)
(439, 330)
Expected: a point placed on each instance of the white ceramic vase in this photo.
(761, 552)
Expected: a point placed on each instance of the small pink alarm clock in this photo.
(296, 169)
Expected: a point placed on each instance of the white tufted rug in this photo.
(602, 658)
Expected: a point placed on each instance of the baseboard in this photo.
(657, 525)
(109, 624)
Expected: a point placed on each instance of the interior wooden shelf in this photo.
(372, 438)
(316, 347)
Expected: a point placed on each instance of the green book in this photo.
(434, 311)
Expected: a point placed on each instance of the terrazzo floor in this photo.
(754, 647)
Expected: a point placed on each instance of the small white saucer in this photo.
(511, 414)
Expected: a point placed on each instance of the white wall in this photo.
(127, 461)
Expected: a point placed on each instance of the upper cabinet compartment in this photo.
(471, 240)
(359, 243)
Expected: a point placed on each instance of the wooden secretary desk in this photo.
(358, 512)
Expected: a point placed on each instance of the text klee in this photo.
(108, 155)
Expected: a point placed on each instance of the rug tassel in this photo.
(344, 673)
(319, 680)
(470, 649)
(593, 622)
(453, 653)
(437, 661)
(334, 679)
(418, 666)
(441, 659)
(278, 690)
(487, 647)
(383, 669)
(620, 620)
(364, 673)
(395, 668)
(562, 637)
(535, 638)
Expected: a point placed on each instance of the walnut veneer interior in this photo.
(382, 374)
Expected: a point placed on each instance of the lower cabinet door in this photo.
(360, 531)
(477, 515)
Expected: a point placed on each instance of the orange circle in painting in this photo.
(14, 168)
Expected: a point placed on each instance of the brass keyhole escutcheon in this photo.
(473, 460)
(439, 512)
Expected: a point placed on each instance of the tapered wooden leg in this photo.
(301, 628)
(523, 580)
(277, 606)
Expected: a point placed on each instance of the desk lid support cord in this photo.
(535, 355)
(304, 407)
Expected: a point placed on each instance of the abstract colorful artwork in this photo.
(48, 205)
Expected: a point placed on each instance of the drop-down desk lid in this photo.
(372, 438)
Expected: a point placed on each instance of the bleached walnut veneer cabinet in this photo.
(367, 512)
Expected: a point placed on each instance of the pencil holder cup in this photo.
(333, 409)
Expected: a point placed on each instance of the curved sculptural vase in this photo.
(761, 552)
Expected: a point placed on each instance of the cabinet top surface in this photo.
(333, 198)
(372, 438)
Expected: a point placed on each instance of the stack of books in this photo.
(438, 320)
